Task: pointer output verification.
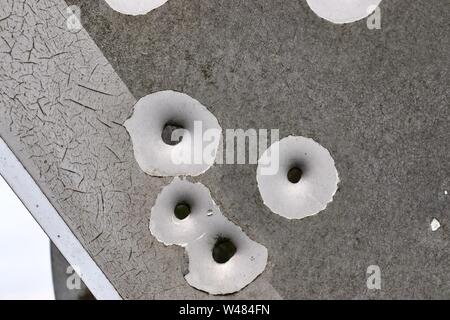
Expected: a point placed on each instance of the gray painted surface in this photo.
(377, 99)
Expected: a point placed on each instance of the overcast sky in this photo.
(25, 270)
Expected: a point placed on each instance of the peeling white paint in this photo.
(317, 185)
(135, 7)
(435, 224)
(343, 11)
(157, 158)
(198, 234)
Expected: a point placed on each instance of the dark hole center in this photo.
(223, 250)
(167, 133)
(294, 175)
(182, 210)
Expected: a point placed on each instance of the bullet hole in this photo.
(174, 115)
(223, 250)
(294, 175)
(182, 210)
(306, 170)
(167, 133)
(206, 239)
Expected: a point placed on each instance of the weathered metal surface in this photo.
(376, 99)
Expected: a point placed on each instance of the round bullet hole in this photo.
(223, 250)
(182, 210)
(167, 134)
(294, 175)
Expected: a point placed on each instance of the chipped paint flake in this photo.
(435, 224)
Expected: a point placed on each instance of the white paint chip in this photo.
(135, 7)
(199, 232)
(193, 155)
(314, 189)
(435, 224)
(343, 11)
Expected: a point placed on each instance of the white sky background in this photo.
(25, 270)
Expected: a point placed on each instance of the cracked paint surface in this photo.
(61, 109)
